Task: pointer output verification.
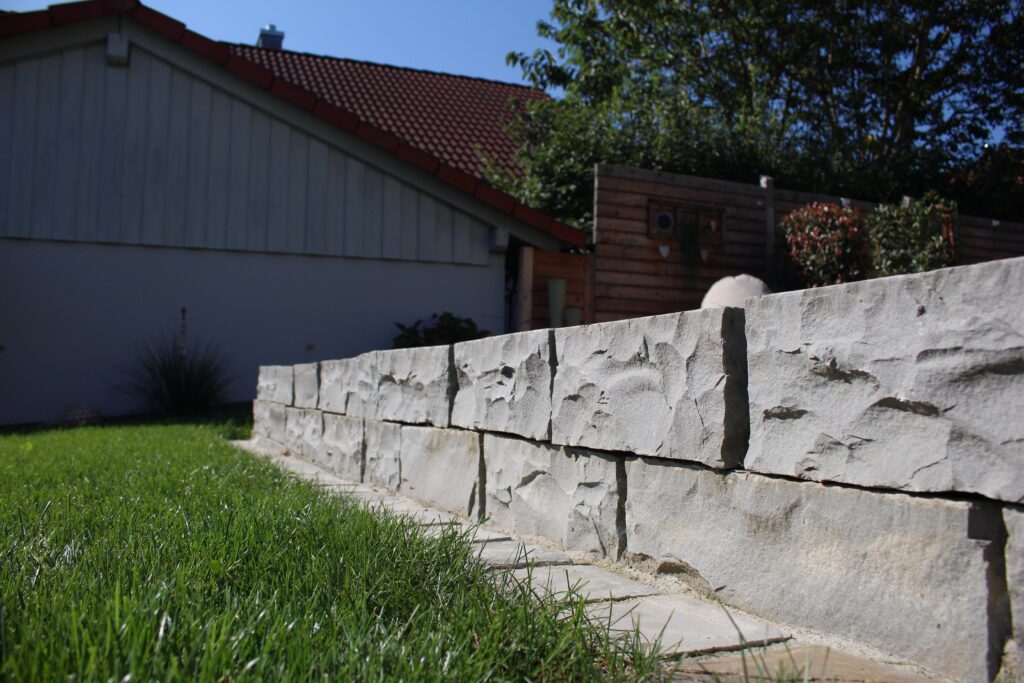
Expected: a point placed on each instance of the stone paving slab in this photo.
(516, 554)
(306, 470)
(593, 583)
(816, 662)
(401, 506)
(303, 469)
(478, 535)
(348, 487)
(684, 625)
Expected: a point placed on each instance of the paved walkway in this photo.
(685, 626)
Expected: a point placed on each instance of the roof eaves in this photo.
(58, 15)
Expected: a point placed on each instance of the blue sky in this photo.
(468, 37)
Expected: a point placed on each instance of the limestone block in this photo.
(414, 385)
(307, 385)
(383, 450)
(668, 385)
(567, 495)
(906, 575)
(441, 468)
(274, 383)
(342, 449)
(504, 384)
(913, 382)
(304, 430)
(349, 386)
(269, 420)
(1014, 520)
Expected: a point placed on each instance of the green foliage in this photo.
(913, 238)
(440, 329)
(171, 378)
(159, 553)
(827, 244)
(992, 185)
(855, 99)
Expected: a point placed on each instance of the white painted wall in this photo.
(154, 154)
(71, 313)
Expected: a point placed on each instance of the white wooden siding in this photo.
(154, 155)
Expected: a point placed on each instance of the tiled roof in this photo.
(424, 152)
(458, 119)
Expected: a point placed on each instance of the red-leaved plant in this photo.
(827, 244)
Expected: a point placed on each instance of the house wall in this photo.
(127, 192)
(71, 314)
(152, 154)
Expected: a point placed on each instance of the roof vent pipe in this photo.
(270, 38)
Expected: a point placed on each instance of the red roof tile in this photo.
(458, 119)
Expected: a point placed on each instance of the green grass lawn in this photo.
(160, 552)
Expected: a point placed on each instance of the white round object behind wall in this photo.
(731, 291)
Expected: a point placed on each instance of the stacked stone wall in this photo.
(848, 459)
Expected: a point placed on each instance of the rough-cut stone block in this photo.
(414, 385)
(504, 384)
(1014, 520)
(913, 382)
(568, 495)
(383, 452)
(342, 449)
(670, 385)
(304, 430)
(349, 386)
(269, 420)
(441, 467)
(307, 385)
(904, 574)
(275, 384)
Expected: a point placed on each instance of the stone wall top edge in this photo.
(768, 300)
(640, 322)
(498, 338)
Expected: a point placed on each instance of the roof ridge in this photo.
(391, 66)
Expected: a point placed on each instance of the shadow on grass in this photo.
(232, 421)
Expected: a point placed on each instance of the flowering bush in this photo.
(913, 238)
(826, 244)
(440, 329)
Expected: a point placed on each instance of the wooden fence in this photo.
(718, 228)
(722, 228)
(537, 267)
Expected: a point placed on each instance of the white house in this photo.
(297, 205)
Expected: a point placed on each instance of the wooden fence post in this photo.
(524, 290)
(768, 185)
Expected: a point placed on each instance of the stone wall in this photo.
(848, 459)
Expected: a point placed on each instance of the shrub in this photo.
(826, 244)
(440, 329)
(913, 237)
(171, 378)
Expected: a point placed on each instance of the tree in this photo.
(864, 99)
